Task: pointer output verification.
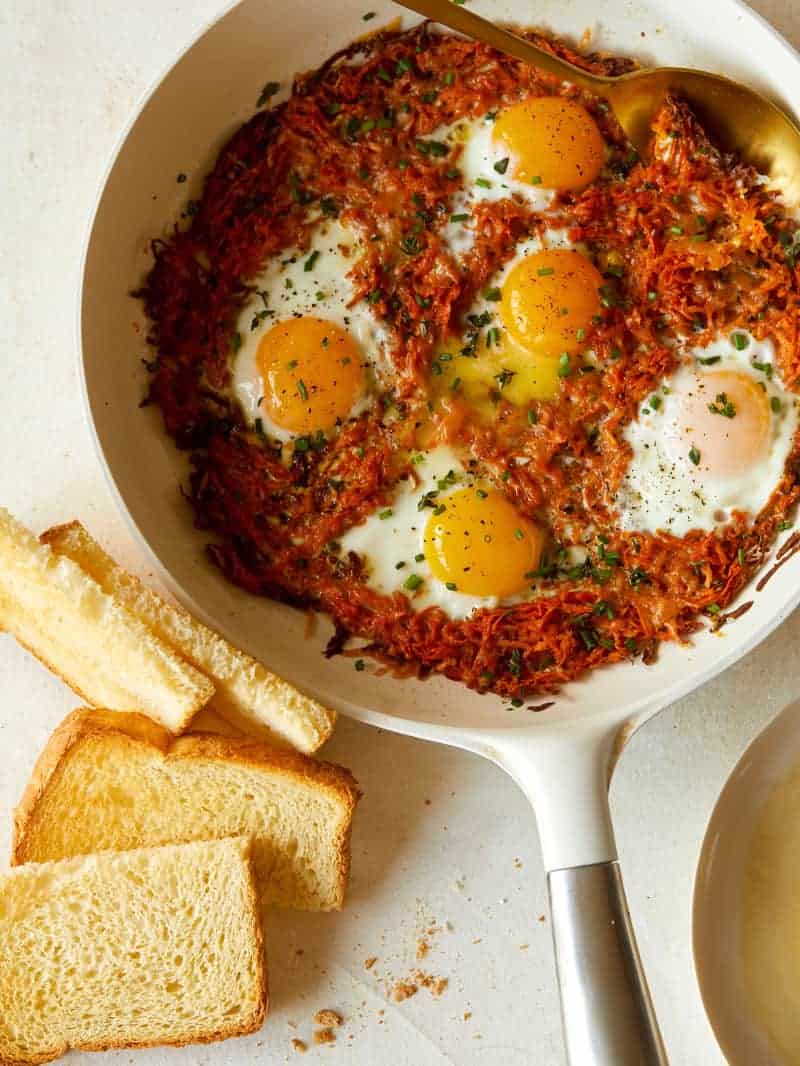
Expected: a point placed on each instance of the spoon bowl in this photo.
(738, 119)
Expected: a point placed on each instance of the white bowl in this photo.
(720, 888)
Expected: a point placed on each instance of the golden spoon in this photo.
(736, 118)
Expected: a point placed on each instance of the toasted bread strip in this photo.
(82, 634)
(118, 781)
(247, 694)
(130, 949)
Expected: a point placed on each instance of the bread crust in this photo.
(86, 722)
(250, 1026)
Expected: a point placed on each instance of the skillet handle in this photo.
(605, 1002)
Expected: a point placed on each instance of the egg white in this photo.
(480, 181)
(316, 281)
(663, 492)
(399, 538)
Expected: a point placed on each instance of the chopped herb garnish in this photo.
(369, 15)
(383, 515)
(533, 418)
(450, 77)
(301, 388)
(501, 166)
(483, 183)
(375, 296)
(302, 444)
(460, 218)
(709, 360)
(433, 148)
(410, 245)
(713, 608)
(652, 295)
(492, 336)
(638, 577)
(676, 231)
(740, 341)
(412, 582)
(418, 558)
(740, 556)
(308, 266)
(518, 534)
(782, 526)
(403, 66)
(268, 92)
(515, 662)
(722, 406)
(504, 377)
(451, 585)
(775, 404)
(545, 272)
(655, 402)
(536, 179)
(765, 368)
(360, 665)
(481, 494)
(564, 365)
(694, 455)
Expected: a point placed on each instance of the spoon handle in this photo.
(462, 20)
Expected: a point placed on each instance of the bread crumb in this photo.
(467, 1015)
(324, 1036)
(404, 990)
(328, 1018)
(299, 1045)
(542, 918)
(435, 985)
(370, 962)
(524, 947)
(423, 947)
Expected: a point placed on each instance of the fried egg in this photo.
(447, 539)
(308, 358)
(527, 151)
(712, 439)
(529, 324)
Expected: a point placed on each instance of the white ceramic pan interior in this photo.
(559, 757)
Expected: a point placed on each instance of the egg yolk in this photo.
(549, 300)
(550, 141)
(725, 423)
(481, 544)
(311, 373)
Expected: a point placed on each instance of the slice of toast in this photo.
(247, 694)
(118, 781)
(130, 949)
(98, 647)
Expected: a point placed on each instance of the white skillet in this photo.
(561, 758)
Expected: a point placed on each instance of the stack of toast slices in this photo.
(158, 822)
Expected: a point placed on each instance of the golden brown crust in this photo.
(86, 722)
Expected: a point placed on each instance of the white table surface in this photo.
(441, 837)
